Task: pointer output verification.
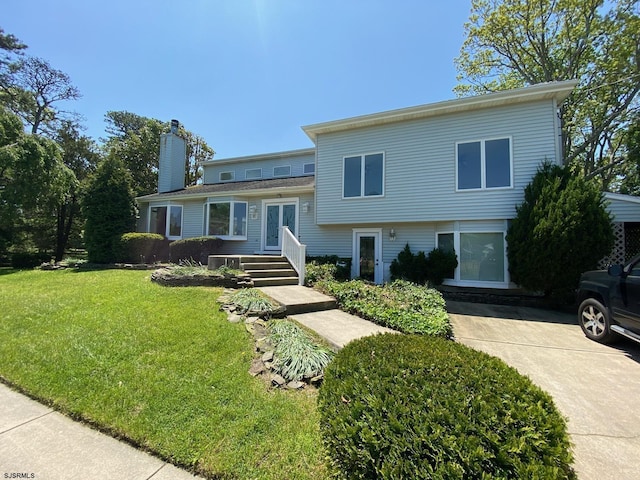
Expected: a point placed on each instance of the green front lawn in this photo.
(159, 366)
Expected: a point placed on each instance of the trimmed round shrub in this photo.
(408, 406)
(143, 248)
(195, 249)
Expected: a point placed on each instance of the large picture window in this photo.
(481, 256)
(363, 176)
(484, 164)
(227, 220)
(166, 220)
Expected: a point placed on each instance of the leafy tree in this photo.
(630, 183)
(11, 47)
(32, 89)
(32, 179)
(513, 43)
(561, 230)
(109, 209)
(136, 140)
(80, 155)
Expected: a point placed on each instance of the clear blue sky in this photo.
(245, 74)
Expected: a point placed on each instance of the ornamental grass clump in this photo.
(296, 355)
(252, 300)
(409, 406)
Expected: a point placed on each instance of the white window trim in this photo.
(362, 179)
(282, 175)
(167, 224)
(456, 281)
(233, 176)
(253, 170)
(483, 168)
(304, 168)
(231, 214)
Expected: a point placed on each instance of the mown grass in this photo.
(159, 366)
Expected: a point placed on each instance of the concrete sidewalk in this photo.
(37, 442)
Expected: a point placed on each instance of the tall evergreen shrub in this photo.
(109, 209)
(561, 230)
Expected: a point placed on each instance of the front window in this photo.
(482, 257)
(166, 220)
(483, 164)
(363, 176)
(228, 220)
(309, 168)
(253, 174)
(282, 171)
(227, 176)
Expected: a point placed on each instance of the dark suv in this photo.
(610, 302)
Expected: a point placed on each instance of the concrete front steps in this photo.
(265, 270)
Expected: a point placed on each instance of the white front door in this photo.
(367, 254)
(278, 213)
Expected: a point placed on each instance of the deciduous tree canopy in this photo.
(513, 43)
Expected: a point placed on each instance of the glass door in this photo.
(368, 254)
(278, 215)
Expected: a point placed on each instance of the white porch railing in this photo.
(295, 252)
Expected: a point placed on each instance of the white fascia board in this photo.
(262, 156)
(542, 91)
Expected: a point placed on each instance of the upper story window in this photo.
(282, 171)
(227, 220)
(484, 164)
(308, 168)
(363, 176)
(166, 220)
(253, 174)
(227, 176)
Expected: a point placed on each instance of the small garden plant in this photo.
(296, 355)
(409, 406)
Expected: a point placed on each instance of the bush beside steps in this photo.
(409, 406)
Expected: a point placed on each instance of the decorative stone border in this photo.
(262, 364)
(165, 277)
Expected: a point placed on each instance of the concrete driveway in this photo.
(596, 387)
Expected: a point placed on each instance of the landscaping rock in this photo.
(165, 276)
(317, 380)
(267, 356)
(277, 380)
(257, 367)
(251, 319)
(233, 318)
(295, 385)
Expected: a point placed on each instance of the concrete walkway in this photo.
(39, 443)
(317, 312)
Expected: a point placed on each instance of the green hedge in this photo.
(194, 249)
(423, 268)
(29, 259)
(143, 248)
(400, 305)
(408, 406)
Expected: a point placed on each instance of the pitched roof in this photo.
(252, 187)
(542, 91)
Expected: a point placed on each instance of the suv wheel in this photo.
(594, 320)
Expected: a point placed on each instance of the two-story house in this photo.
(444, 174)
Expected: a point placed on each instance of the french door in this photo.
(278, 214)
(367, 254)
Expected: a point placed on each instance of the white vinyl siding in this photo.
(484, 164)
(420, 166)
(212, 170)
